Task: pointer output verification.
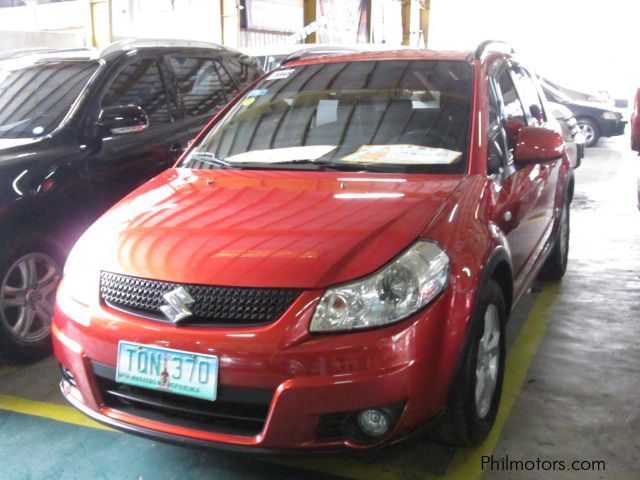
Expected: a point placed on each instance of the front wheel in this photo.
(589, 130)
(28, 281)
(475, 394)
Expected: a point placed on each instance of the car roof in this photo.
(404, 54)
(44, 54)
(289, 48)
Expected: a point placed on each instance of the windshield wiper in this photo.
(322, 165)
(210, 159)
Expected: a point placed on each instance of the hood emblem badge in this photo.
(178, 302)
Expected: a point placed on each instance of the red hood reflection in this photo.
(266, 228)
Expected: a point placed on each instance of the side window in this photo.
(140, 83)
(530, 98)
(201, 86)
(511, 102)
(498, 154)
(242, 71)
(228, 83)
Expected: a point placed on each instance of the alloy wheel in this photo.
(588, 133)
(27, 296)
(488, 361)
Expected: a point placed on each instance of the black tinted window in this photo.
(200, 86)
(529, 95)
(140, 83)
(244, 71)
(399, 115)
(34, 100)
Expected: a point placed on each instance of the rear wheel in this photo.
(555, 266)
(475, 393)
(28, 281)
(589, 130)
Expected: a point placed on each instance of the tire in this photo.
(590, 130)
(470, 415)
(29, 275)
(555, 265)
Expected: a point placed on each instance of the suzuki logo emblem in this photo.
(178, 301)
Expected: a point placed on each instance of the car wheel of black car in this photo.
(556, 264)
(590, 130)
(29, 276)
(475, 393)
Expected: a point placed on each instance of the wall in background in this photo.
(584, 44)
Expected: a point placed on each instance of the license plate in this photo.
(174, 371)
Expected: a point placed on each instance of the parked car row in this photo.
(331, 264)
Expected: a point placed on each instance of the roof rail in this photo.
(132, 43)
(493, 46)
(320, 51)
(24, 52)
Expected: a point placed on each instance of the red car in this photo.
(331, 265)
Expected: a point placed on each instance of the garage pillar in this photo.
(415, 22)
(230, 22)
(98, 23)
(309, 15)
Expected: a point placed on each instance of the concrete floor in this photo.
(572, 383)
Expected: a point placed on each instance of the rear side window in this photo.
(203, 85)
(140, 83)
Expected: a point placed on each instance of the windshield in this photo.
(34, 100)
(390, 115)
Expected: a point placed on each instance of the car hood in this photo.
(266, 228)
(585, 105)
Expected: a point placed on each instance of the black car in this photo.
(595, 120)
(79, 129)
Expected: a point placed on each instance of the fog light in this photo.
(374, 422)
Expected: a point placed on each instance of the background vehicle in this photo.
(78, 130)
(635, 132)
(573, 137)
(339, 253)
(594, 120)
(602, 98)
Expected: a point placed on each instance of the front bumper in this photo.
(317, 382)
(612, 128)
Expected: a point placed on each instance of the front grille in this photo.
(213, 304)
(236, 411)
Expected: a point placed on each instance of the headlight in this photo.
(80, 278)
(611, 116)
(396, 291)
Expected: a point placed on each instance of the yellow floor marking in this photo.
(60, 413)
(466, 464)
(467, 461)
(6, 370)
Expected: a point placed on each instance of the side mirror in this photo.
(537, 145)
(513, 126)
(122, 119)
